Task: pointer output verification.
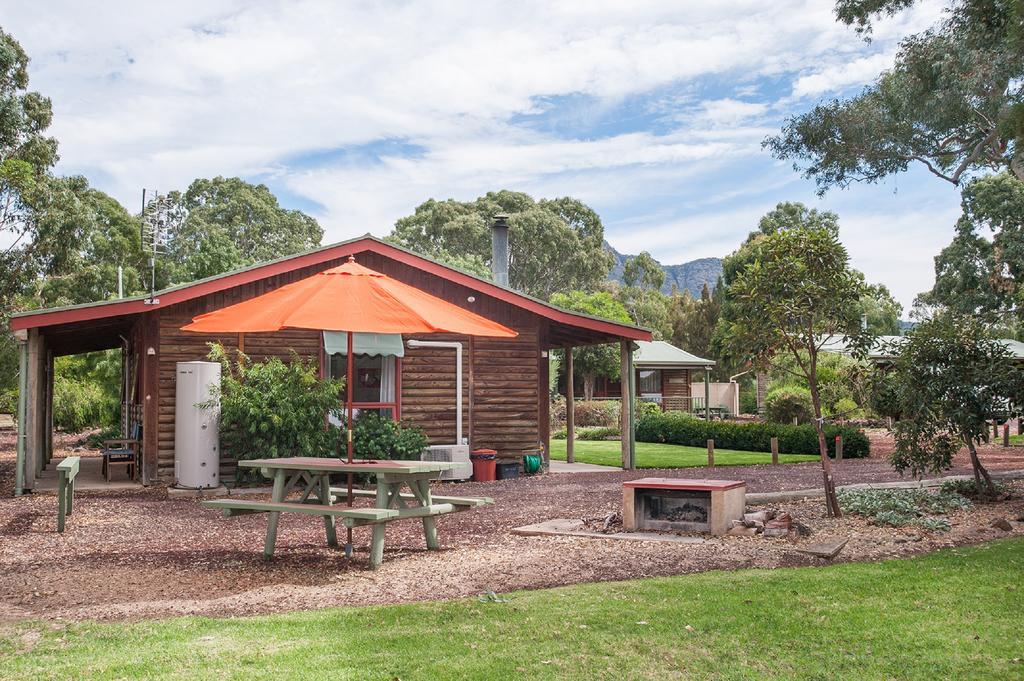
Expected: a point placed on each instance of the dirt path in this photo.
(141, 554)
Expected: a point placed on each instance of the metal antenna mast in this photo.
(155, 222)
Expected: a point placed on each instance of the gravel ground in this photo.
(141, 554)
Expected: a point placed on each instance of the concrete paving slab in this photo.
(570, 527)
(564, 467)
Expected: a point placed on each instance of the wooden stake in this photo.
(775, 450)
(1006, 434)
(570, 416)
(711, 453)
(839, 447)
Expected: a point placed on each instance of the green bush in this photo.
(591, 433)
(748, 400)
(847, 409)
(680, 428)
(9, 402)
(788, 402)
(78, 405)
(645, 408)
(378, 437)
(274, 409)
(596, 413)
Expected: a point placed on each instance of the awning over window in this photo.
(364, 343)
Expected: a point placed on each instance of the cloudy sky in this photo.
(651, 112)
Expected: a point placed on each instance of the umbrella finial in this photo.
(351, 258)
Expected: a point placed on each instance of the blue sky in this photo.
(651, 112)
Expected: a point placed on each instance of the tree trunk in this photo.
(589, 380)
(980, 474)
(831, 501)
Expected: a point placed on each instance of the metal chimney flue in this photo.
(499, 250)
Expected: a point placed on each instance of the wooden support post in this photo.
(570, 415)
(20, 473)
(839, 447)
(1020, 425)
(628, 399)
(150, 383)
(995, 430)
(1006, 434)
(707, 395)
(775, 450)
(711, 453)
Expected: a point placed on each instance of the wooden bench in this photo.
(461, 503)
(232, 507)
(67, 470)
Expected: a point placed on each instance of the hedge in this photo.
(679, 428)
(591, 433)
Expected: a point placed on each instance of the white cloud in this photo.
(839, 76)
(154, 95)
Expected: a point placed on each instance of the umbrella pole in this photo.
(348, 424)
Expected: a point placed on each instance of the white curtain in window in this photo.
(387, 379)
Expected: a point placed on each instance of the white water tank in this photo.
(196, 437)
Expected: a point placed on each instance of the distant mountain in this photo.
(690, 276)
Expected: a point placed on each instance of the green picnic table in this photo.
(317, 497)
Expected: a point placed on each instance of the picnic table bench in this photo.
(67, 470)
(317, 497)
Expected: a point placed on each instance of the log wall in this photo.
(506, 393)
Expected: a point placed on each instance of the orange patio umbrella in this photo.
(350, 298)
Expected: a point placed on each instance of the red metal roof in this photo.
(701, 485)
(178, 294)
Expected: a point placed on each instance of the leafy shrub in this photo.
(902, 507)
(748, 400)
(78, 405)
(645, 408)
(785, 403)
(968, 488)
(847, 409)
(274, 409)
(596, 412)
(592, 433)
(378, 437)
(9, 402)
(557, 410)
(680, 428)
(95, 439)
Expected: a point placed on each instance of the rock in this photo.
(801, 529)
(758, 517)
(776, 531)
(741, 531)
(754, 524)
(1002, 524)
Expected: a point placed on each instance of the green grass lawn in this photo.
(1014, 439)
(653, 455)
(954, 614)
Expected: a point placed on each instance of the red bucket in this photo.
(484, 464)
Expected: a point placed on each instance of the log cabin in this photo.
(505, 395)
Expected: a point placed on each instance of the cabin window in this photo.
(650, 382)
(375, 387)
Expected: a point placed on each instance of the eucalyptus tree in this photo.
(554, 244)
(953, 102)
(797, 293)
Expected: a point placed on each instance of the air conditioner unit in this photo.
(455, 454)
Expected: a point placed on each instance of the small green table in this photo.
(318, 497)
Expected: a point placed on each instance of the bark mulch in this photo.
(139, 554)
